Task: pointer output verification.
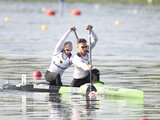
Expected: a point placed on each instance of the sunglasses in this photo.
(68, 50)
(84, 46)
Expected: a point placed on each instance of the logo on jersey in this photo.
(60, 61)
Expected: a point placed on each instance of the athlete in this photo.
(61, 60)
(81, 62)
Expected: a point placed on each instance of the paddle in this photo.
(90, 87)
(75, 34)
(90, 58)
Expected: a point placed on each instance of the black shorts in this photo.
(53, 78)
(79, 82)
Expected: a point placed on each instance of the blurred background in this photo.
(127, 52)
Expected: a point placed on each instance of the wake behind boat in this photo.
(100, 87)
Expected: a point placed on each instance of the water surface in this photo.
(126, 55)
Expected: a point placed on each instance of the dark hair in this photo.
(67, 42)
(81, 40)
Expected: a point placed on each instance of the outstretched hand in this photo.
(72, 28)
(89, 27)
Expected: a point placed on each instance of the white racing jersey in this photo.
(60, 61)
(81, 62)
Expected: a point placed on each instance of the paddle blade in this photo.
(92, 94)
(91, 88)
(91, 91)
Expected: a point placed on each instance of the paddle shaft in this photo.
(75, 34)
(90, 58)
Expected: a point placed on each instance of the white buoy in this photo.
(43, 9)
(150, 1)
(24, 79)
(97, 6)
(135, 11)
(6, 19)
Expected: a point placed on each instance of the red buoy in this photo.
(144, 119)
(16, 4)
(75, 12)
(37, 75)
(50, 12)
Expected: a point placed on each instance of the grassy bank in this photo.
(96, 1)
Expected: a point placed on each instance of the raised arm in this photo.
(94, 37)
(60, 44)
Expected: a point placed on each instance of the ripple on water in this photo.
(126, 55)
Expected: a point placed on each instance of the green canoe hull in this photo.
(100, 89)
(104, 89)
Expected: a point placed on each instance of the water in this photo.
(126, 55)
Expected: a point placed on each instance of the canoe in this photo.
(100, 89)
